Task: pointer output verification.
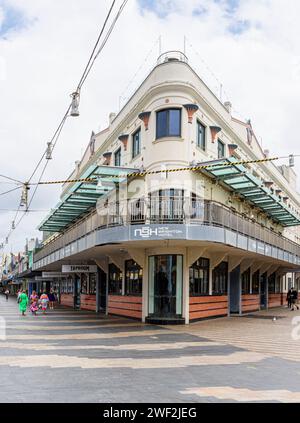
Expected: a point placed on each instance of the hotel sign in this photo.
(79, 268)
(148, 232)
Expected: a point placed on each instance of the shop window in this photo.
(136, 143)
(93, 284)
(199, 277)
(246, 282)
(115, 280)
(168, 123)
(201, 136)
(84, 283)
(220, 279)
(133, 278)
(255, 282)
(271, 284)
(277, 285)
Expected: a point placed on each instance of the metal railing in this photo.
(167, 210)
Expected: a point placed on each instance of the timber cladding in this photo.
(250, 302)
(122, 305)
(275, 300)
(208, 306)
(67, 300)
(88, 302)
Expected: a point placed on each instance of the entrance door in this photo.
(77, 286)
(235, 291)
(263, 291)
(165, 286)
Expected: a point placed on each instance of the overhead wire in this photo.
(83, 78)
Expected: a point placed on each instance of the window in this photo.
(278, 285)
(93, 283)
(84, 283)
(168, 123)
(115, 280)
(221, 150)
(133, 278)
(199, 277)
(136, 143)
(271, 283)
(255, 282)
(166, 205)
(246, 282)
(201, 141)
(118, 157)
(220, 278)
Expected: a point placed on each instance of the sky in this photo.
(251, 47)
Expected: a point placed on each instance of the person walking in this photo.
(289, 298)
(294, 299)
(34, 303)
(44, 300)
(6, 293)
(23, 302)
(52, 300)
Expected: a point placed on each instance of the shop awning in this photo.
(239, 179)
(83, 196)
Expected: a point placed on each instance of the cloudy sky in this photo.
(250, 46)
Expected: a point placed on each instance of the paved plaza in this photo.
(75, 356)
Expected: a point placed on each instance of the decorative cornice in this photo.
(232, 148)
(191, 110)
(124, 139)
(107, 157)
(214, 131)
(145, 116)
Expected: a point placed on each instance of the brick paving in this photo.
(68, 356)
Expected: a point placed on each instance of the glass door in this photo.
(165, 286)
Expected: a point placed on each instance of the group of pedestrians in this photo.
(292, 299)
(36, 302)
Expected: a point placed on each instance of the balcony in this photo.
(183, 212)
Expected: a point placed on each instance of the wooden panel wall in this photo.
(88, 302)
(128, 306)
(67, 300)
(250, 302)
(208, 306)
(275, 300)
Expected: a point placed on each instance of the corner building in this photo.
(173, 246)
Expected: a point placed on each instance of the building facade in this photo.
(165, 222)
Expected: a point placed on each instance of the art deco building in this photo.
(143, 239)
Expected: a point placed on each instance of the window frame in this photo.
(202, 147)
(205, 266)
(118, 154)
(167, 111)
(223, 147)
(135, 153)
(128, 287)
(216, 282)
(118, 282)
(246, 282)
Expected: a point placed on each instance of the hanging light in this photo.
(291, 160)
(13, 226)
(24, 196)
(75, 104)
(6, 240)
(49, 151)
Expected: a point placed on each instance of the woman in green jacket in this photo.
(23, 302)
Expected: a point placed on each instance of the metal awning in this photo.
(240, 180)
(83, 196)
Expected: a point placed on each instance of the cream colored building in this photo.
(174, 245)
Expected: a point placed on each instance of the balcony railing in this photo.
(168, 210)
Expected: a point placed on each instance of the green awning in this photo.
(239, 179)
(83, 196)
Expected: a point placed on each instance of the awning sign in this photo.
(52, 274)
(82, 268)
